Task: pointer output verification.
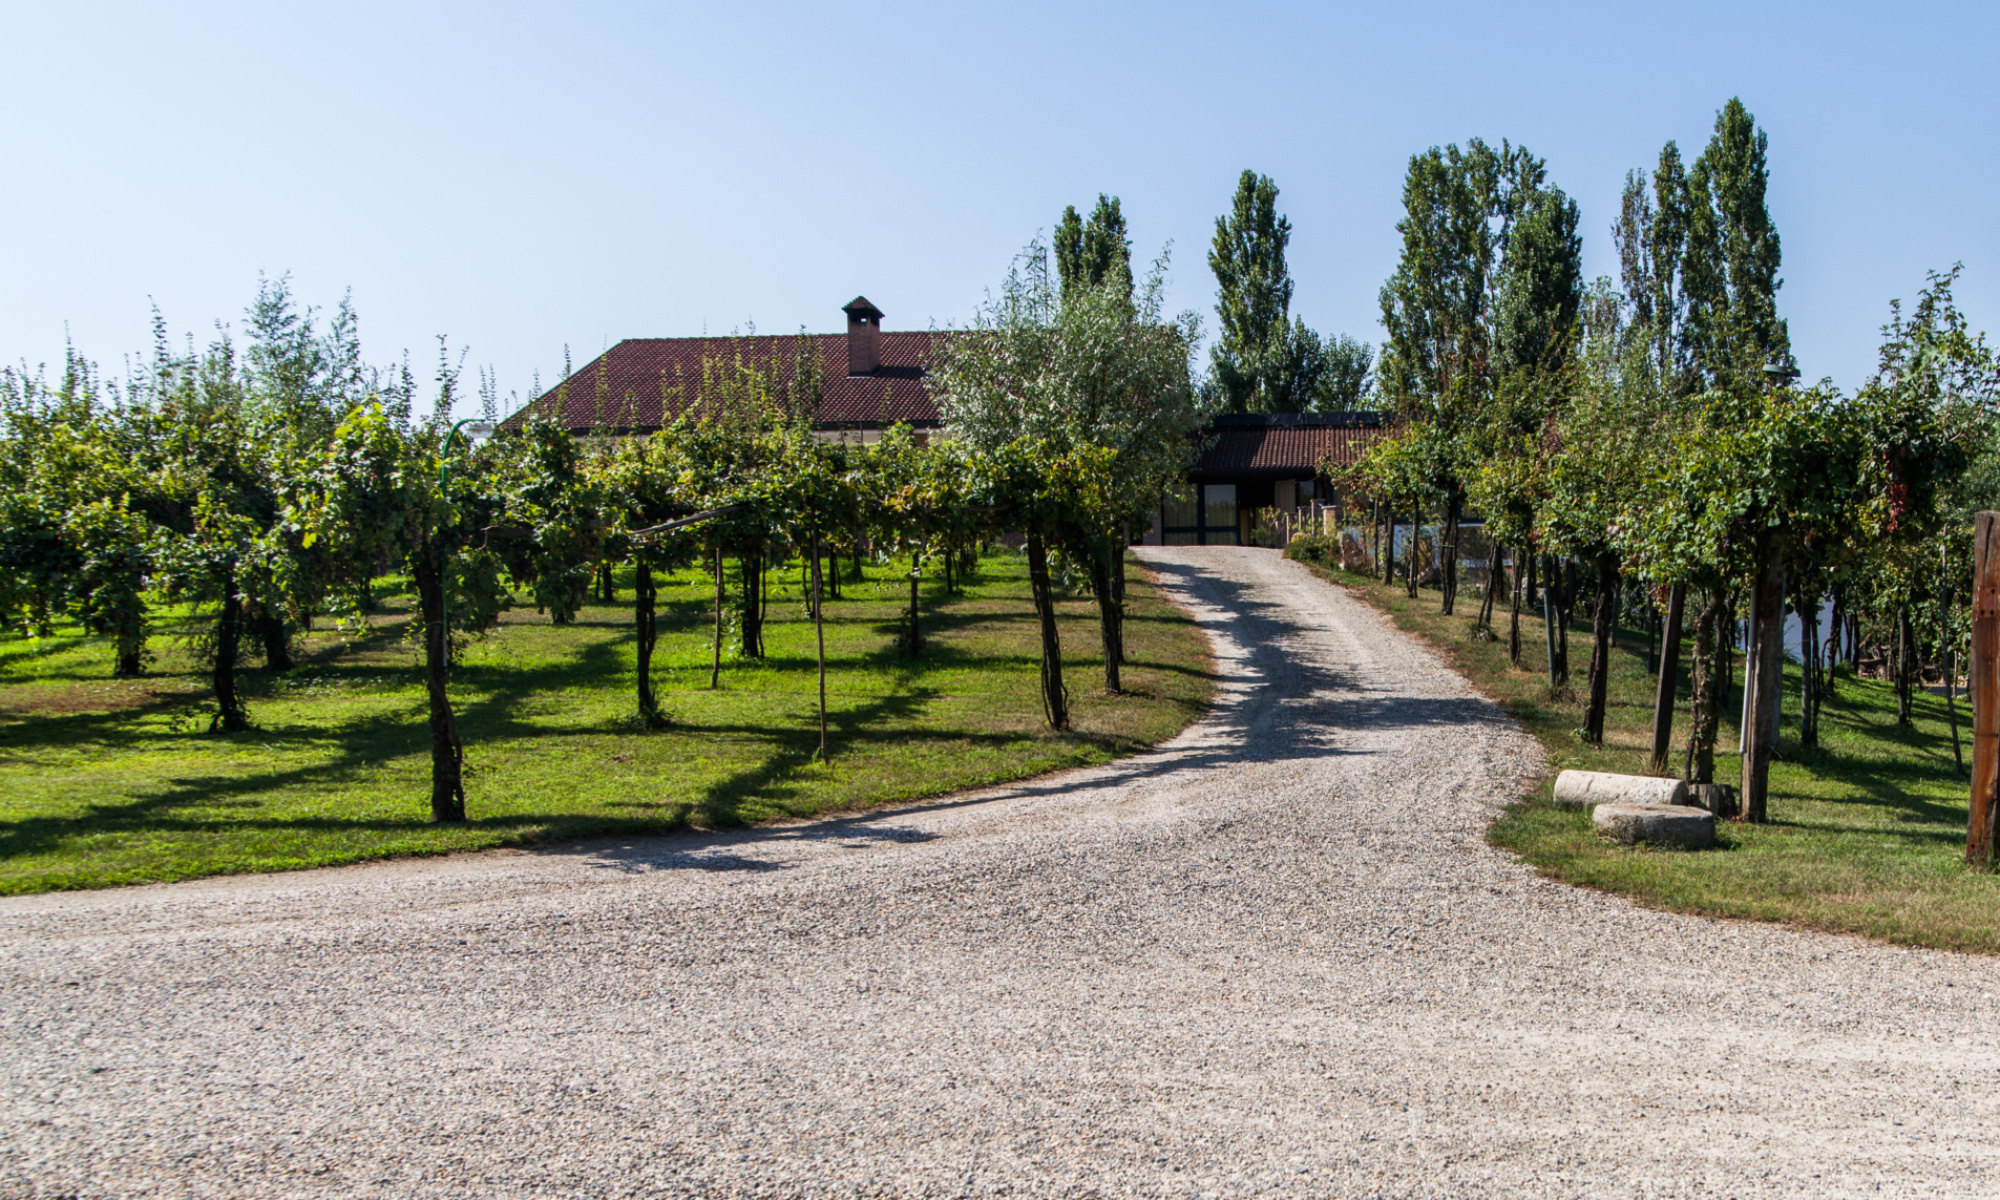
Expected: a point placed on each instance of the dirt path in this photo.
(1274, 958)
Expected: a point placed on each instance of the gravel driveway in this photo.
(1274, 958)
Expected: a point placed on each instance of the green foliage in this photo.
(1094, 254)
(1733, 254)
(1093, 368)
(547, 490)
(1264, 359)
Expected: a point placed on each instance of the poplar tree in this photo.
(1090, 254)
(1489, 283)
(1267, 360)
(1652, 238)
(1731, 268)
(1732, 257)
(1252, 360)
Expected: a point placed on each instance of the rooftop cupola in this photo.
(864, 336)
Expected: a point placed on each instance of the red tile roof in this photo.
(1283, 450)
(643, 383)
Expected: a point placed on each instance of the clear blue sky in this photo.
(521, 178)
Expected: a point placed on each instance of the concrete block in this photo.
(1586, 789)
(1675, 825)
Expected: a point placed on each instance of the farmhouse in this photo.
(1254, 461)
(859, 383)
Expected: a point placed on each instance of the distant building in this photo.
(1257, 461)
(868, 379)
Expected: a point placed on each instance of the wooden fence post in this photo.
(1985, 689)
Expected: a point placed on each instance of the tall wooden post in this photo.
(1985, 689)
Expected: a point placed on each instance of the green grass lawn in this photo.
(107, 781)
(1866, 836)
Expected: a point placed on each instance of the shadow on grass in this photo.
(497, 703)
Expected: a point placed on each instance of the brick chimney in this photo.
(864, 336)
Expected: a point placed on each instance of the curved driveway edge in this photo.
(1274, 957)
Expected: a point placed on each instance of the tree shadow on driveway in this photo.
(1284, 696)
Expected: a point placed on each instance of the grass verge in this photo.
(107, 782)
(1867, 832)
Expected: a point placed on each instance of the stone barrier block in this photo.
(1587, 789)
(1677, 825)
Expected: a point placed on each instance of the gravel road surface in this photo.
(1274, 958)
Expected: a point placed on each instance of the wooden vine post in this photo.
(1985, 690)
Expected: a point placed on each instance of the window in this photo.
(1219, 503)
(1207, 518)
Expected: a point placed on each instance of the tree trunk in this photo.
(129, 624)
(1107, 617)
(1710, 685)
(1949, 654)
(1514, 617)
(1556, 599)
(1491, 589)
(715, 671)
(1669, 679)
(750, 566)
(1600, 646)
(916, 644)
(447, 754)
(276, 638)
(1375, 529)
(1387, 560)
(1549, 621)
(1118, 595)
(1906, 653)
(1762, 679)
(1563, 572)
(1055, 700)
(819, 636)
(645, 619)
(1652, 636)
(1448, 550)
(1410, 559)
(1807, 608)
(229, 716)
(607, 588)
